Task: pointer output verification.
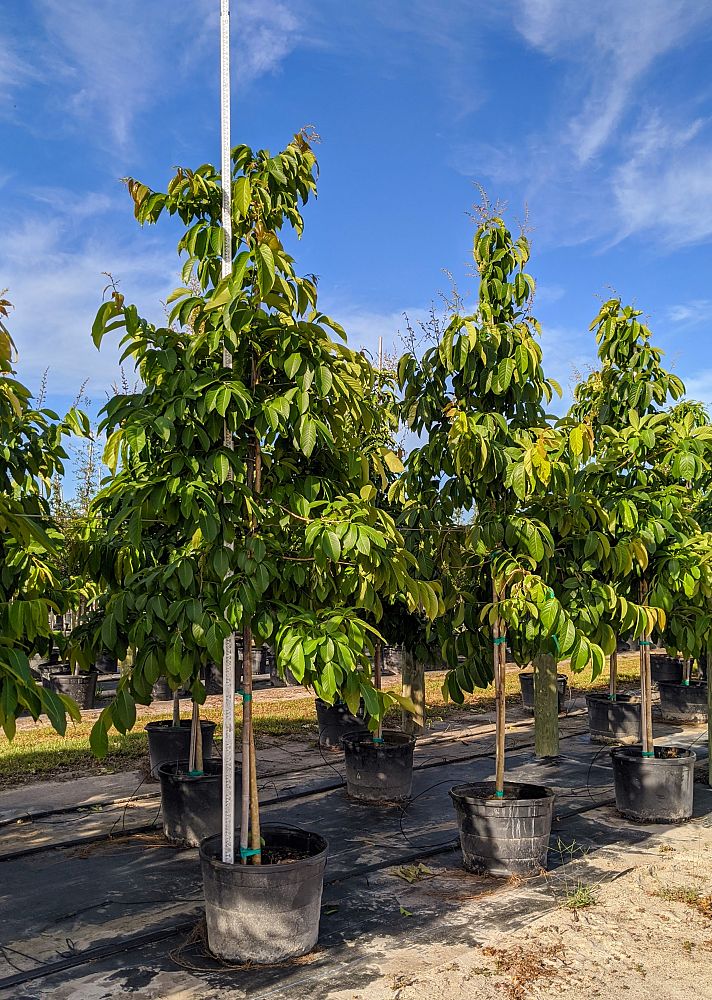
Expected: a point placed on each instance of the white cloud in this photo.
(691, 313)
(56, 291)
(699, 387)
(665, 186)
(612, 44)
(107, 64)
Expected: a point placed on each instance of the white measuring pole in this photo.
(228, 810)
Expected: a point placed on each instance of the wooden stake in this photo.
(377, 665)
(708, 678)
(613, 680)
(546, 705)
(195, 755)
(646, 684)
(499, 663)
(246, 741)
(176, 709)
(413, 687)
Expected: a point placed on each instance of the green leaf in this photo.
(307, 437)
(265, 269)
(242, 195)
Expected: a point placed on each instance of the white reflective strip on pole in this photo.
(228, 771)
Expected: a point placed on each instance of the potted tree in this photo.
(264, 484)
(31, 587)
(647, 462)
(478, 399)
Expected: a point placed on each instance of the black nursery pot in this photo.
(269, 912)
(105, 663)
(161, 691)
(683, 702)
(167, 742)
(379, 772)
(80, 687)
(655, 789)
(617, 721)
(665, 669)
(526, 681)
(508, 836)
(213, 678)
(191, 804)
(335, 722)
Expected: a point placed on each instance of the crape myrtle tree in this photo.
(478, 398)
(258, 465)
(649, 458)
(31, 453)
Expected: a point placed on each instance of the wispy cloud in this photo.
(108, 64)
(56, 291)
(691, 313)
(665, 186)
(611, 44)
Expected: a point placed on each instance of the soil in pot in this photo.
(269, 912)
(683, 702)
(656, 789)
(167, 742)
(614, 720)
(379, 773)
(80, 687)
(508, 836)
(335, 722)
(526, 681)
(191, 804)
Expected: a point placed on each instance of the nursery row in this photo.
(256, 488)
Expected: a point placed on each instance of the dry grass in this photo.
(38, 753)
(523, 967)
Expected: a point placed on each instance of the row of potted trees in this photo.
(256, 488)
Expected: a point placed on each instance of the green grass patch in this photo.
(38, 753)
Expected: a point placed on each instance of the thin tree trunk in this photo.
(195, 755)
(546, 706)
(687, 672)
(413, 687)
(250, 834)
(613, 679)
(176, 709)
(646, 684)
(377, 670)
(499, 663)
(708, 675)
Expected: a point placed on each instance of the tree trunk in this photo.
(176, 709)
(708, 675)
(499, 646)
(413, 679)
(546, 706)
(195, 754)
(377, 672)
(646, 684)
(613, 678)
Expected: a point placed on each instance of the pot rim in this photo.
(159, 725)
(530, 673)
(217, 863)
(621, 699)
(635, 753)
(168, 768)
(365, 740)
(678, 684)
(457, 793)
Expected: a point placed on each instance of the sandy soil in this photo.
(648, 935)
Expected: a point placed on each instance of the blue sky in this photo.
(595, 116)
